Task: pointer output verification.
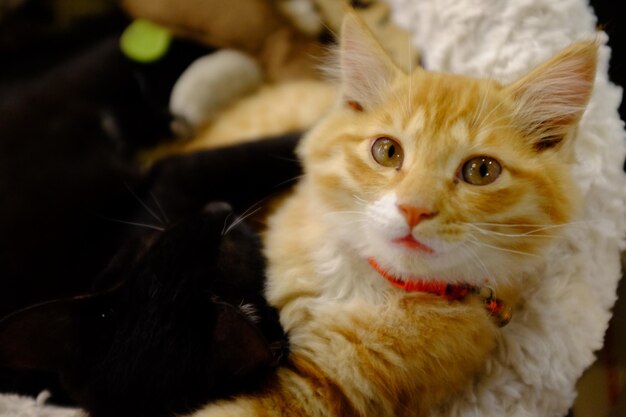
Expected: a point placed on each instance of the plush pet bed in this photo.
(543, 352)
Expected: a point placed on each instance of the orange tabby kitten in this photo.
(413, 182)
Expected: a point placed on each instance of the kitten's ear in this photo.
(551, 99)
(366, 69)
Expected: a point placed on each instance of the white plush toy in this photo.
(209, 85)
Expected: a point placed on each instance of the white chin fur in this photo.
(457, 263)
(451, 265)
(450, 261)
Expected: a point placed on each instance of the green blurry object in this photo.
(144, 41)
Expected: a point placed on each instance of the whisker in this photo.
(532, 233)
(529, 234)
(505, 117)
(402, 102)
(290, 180)
(476, 259)
(345, 212)
(478, 242)
(240, 219)
(246, 213)
(554, 226)
(160, 207)
(582, 222)
(410, 75)
(484, 119)
(285, 158)
(352, 216)
(147, 226)
(478, 115)
(481, 108)
(144, 205)
(493, 129)
(356, 222)
(225, 226)
(355, 217)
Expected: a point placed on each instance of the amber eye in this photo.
(387, 152)
(481, 170)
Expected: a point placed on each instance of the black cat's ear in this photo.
(240, 347)
(366, 70)
(48, 336)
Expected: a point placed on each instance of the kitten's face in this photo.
(442, 176)
(402, 171)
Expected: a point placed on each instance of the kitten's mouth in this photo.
(410, 242)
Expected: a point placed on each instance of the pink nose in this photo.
(414, 215)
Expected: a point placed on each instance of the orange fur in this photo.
(359, 346)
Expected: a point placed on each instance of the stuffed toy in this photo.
(254, 27)
(261, 42)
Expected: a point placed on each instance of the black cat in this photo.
(186, 323)
(73, 111)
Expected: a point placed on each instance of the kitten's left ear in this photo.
(366, 69)
(551, 99)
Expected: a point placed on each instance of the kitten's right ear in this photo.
(552, 97)
(366, 69)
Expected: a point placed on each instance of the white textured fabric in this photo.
(17, 406)
(544, 350)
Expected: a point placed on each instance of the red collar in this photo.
(451, 292)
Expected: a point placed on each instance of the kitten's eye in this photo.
(387, 152)
(481, 170)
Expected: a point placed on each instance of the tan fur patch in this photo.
(322, 385)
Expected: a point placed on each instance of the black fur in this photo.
(171, 337)
(73, 111)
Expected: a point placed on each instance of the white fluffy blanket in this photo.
(16, 406)
(545, 349)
